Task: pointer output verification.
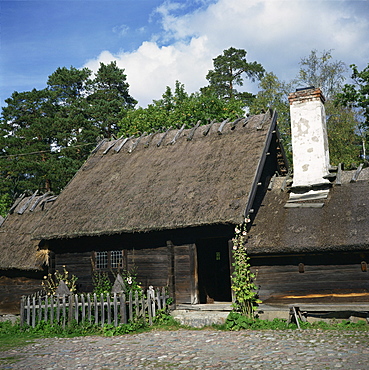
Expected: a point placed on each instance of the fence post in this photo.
(123, 308)
(22, 304)
(151, 293)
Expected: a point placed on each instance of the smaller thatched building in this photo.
(23, 261)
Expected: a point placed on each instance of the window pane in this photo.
(101, 260)
(116, 259)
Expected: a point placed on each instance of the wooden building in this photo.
(166, 204)
(310, 241)
(23, 261)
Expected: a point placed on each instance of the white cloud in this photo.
(274, 33)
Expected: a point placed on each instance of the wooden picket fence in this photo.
(104, 309)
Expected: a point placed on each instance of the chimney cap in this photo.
(305, 88)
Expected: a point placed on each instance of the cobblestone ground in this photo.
(204, 349)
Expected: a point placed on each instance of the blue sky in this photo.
(160, 41)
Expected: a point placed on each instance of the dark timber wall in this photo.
(323, 278)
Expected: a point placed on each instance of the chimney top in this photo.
(306, 94)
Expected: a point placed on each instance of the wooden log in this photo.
(339, 175)
(124, 141)
(98, 146)
(220, 129)
(234, 123)
(163, 137)
(158, 298)
(149, 139)
(26, 204)
(134, 145)
(177, 135)
(209, 127)
(357, 173)
(110, 146)
(193, 130)
(16, 203)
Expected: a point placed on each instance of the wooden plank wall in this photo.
(318, 283)
(78, 264)
(151, 265)
(11, 291)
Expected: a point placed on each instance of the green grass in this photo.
(12, 335)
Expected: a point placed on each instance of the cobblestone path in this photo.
(203, 349)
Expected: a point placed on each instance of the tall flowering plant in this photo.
(243, 280)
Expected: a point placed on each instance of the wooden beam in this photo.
(25, 205)
(220, 129)
(177, 135)
(339, 175)
(163, 137)
(192, 132)
(134, 145)
(120, 146)
(357, 173)
(209, 127)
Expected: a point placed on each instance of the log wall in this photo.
(312, 279)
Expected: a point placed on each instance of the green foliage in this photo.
(356, 97)
(243, 280)
(323, 72)
(101, 282)
(273, 94)
(46, 135)
(51, 282)
(178, 108)
(5, 204)
(228, 72)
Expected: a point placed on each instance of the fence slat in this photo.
(83, 308)
(108, 309)
(115, 305)
(130, 306)
(102, 309)
(123, 308)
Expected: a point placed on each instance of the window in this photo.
(108, 260)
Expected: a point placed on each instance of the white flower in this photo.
(247, 220)
(129, 280)
(235, 247)
(244, 233)
(237, 230)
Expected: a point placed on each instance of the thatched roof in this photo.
(17, 249)
(177, 179)
(340, 224)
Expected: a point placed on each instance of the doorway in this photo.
(213, 270)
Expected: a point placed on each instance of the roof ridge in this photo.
(172, 135)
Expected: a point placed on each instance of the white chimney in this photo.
(309, 138)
